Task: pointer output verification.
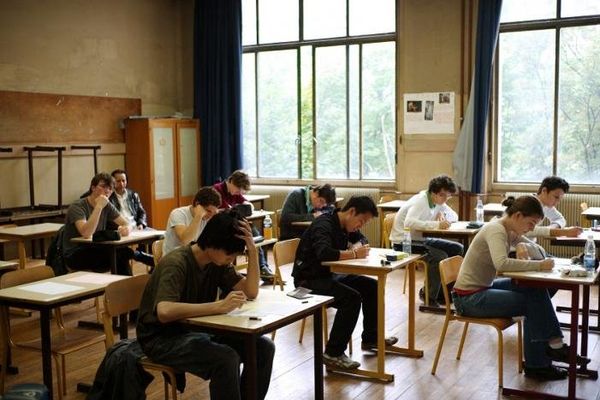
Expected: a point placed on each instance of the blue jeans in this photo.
(438, 250)
(505, 300)
(216, 358)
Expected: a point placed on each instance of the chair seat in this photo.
(148, 363)
(67, 342)
(501, 323)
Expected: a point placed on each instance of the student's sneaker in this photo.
(340, 362)
(389, 341)
(549, 373)
(432, 302)
(266, 274)
(562, 355)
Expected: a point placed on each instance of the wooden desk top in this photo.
(493, 208)
(259, 214)
(576, 241)
(256, 197)
(269, 308)
(30, 231)
(458, 228)
(60, 288)
(554, 275)
(391, 205)
(372, 264)
(591, 213)
(8, 265)
(134, 237)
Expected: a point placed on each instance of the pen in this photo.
(254, 319)
(305, 301)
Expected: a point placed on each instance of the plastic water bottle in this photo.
(268, 227)
(589, 254)
(407, 242)
(479, 210)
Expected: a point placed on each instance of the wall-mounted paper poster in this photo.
(426, 113)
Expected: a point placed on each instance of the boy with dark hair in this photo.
(334, 237)
(185, 285)
(232, 193)
(186, 223)
(428, 210)
(550, 193)
(304, 204)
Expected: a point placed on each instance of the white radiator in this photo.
(278, 194)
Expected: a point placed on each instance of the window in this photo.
(547, 89)
(319, 89)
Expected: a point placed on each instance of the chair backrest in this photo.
(284, 252)
(121, 297)
(157, 250)
(449, 269)
(27, 275)
(388, 222)
(278, 222)
(388, 197)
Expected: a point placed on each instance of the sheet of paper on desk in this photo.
(50, 288)
(266, 308)
(95, 278)
(247, 313)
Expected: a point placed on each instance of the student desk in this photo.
(20, 234)
(553, 279)
(372, 266)
(458, 230)
(146, 236)
(592, 213)
(6, 266)
(44, 296)
(271, 310)
(492, 209)
(386, 208)
(257, 198)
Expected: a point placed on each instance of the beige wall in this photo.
(117, 48)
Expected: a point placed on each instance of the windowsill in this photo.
(337, 183)
(533, 187)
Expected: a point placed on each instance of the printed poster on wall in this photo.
(426, 113)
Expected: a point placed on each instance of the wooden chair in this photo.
(585, 223)
(66, 341)
(278, 222)
(284, 254)
(157, 251)
(121, 297)
(449, 269)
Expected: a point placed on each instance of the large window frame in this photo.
(556, 24)
(299, 46)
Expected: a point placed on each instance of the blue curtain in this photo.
(217, 85)
(469, 155)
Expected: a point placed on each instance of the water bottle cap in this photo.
(590, 236)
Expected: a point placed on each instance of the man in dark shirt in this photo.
(232, 193)
(184, 285)
(333, 237)
(305, 204)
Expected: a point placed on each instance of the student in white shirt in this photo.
(428, 210)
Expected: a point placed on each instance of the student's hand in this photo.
(362, 251)
(199, 211)
(444, 224)
(234, 299)
(572, 231)
(521, 251)
(547, 264)
(440, 216)
(317, 213)
(123, 230)
(101, 201)
(245, 233)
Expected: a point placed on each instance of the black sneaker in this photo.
(562, 355)
(550, 373)
(432, 302)
(389, 342)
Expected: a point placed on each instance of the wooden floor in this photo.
(472, 377)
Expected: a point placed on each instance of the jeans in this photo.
(214, 358)
(97, 259)
(505, 300)
(349, 292)
(262, 257)
(438, 250)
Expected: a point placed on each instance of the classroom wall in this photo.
(116, 48)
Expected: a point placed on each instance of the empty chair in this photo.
(448, 273)
(121, 297)
(157, 251)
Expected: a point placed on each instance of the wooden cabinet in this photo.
(163, 164)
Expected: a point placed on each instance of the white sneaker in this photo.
(342, 361)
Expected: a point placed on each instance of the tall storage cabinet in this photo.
(163, 164)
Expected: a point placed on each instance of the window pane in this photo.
(526, 105)
(519, 10)
(372, 16)
(278, 114)
(324, 19)
(579, 105)
(354, 111)
(248, 22)
(277, 21)
(576, 8)
(331, 112)
(378, 112)
(248, 114)
(306, 93)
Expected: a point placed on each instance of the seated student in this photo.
(551, 191)
(185, 285)
(334, 237)
(186, 223)
(478, 293)
(88, 215)
(428, 210)
(232, 193)
(304, 204)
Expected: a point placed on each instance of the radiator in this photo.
(278, 194)
(570, 207)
